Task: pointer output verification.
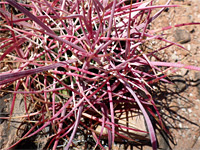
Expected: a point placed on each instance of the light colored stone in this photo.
(9, 129)
(131, 120)
(189, 110)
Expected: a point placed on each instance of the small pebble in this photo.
(189, 110)
(183, 109)
(182, 36)
(196, 107)
(188, 47)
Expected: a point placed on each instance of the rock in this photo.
(179, 83)
(3, 106)
(197, 81)
(174, 106)
(12, 130)
(134, 119)
(182, 36)
(163, 140)
(129, 119)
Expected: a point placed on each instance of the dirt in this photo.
(180, 101)
(183, 98)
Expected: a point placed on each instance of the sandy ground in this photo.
(183, 114)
